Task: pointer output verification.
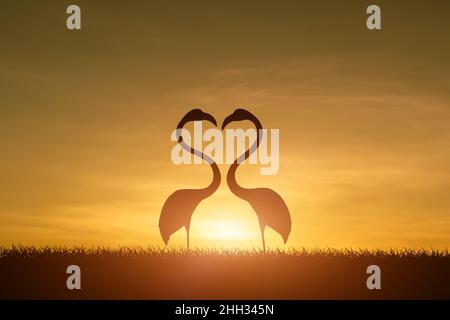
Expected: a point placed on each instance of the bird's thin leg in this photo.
(262, 237)
(187, 233)
(188, 240)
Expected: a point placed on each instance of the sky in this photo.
(86, 118)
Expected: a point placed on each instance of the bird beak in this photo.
(227, 120)
(210, 118)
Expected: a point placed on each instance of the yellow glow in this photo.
(225, 230)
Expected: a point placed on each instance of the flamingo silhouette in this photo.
(180, 205)
(268, 205)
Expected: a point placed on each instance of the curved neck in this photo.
(238, 190)
(254, 146)
(188, 148)
(215, 183)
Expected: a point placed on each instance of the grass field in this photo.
(151, 273)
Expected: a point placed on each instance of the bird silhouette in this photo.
(268, 205)
(180, 205)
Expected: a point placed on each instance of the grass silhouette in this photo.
(28, 272)
(20, 251)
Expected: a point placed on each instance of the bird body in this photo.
(272, 211)
(177, 211)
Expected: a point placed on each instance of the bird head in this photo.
(240, 115)
(195, 115)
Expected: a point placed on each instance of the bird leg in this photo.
(187, 233)
(262, 227)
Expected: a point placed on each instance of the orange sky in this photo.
(86, 118)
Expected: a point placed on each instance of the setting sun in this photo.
(225, 230)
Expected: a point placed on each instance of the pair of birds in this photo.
(180, 205)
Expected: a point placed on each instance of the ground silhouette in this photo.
(137, 273)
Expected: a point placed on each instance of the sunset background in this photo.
(86, 118)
